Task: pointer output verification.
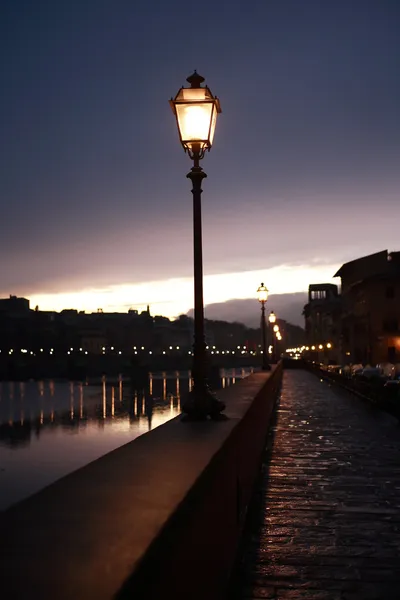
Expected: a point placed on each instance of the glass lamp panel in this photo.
(194, 121)
(262, 294)
(213, 123)
(192, 95)
(272, 318)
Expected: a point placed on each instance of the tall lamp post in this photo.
(272, 320)
(278, 337)
(196, 110)
(262, 298)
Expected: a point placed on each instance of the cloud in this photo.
(247, 311)
(172, 297)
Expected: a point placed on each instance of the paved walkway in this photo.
(325, 523)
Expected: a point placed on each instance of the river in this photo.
(51, 428)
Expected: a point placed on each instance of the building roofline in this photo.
(351, 263)
(322, 285)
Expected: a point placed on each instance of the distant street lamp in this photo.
(196, 110)
(272, 320)
(326, 352)
(262, 298)
(278, 339)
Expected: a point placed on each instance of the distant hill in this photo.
(247, 311)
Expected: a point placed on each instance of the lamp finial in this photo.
(195, 80)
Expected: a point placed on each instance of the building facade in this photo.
(370, 319)
(322, 323)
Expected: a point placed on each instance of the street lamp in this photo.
(262, 298)
(278, 339)
(272, 320)
(196, 110)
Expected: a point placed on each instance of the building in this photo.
(14, 305)
(92, 342)
(322, 322)
(370, 318)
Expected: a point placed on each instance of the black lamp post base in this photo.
(201, 405)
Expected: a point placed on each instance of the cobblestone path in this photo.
(325, 521)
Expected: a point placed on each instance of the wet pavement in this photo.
(325, 519)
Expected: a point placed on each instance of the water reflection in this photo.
(46, 402)
(38, 420)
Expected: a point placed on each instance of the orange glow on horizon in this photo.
(173, 297)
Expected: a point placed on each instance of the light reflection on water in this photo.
(51, 428)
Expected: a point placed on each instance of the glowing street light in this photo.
(262, 292)
(273, 324)
(196, 110)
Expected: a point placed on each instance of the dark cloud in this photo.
(286, 306)
(92, 178)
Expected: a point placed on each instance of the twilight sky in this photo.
(303, 176)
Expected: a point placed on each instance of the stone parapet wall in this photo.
(157, 518)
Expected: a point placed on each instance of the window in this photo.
(390, 291)
(318, 295)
